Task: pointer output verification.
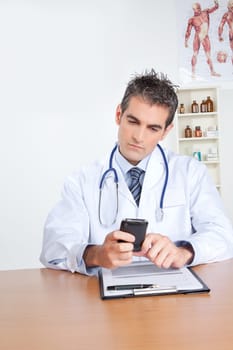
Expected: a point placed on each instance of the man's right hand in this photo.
(112, 253)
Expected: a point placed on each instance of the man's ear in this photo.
(166, 131)
(118, 114)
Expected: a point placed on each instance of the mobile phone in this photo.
(136, 227)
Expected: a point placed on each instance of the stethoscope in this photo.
(159, 211)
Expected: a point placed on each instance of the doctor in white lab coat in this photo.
(82, 231)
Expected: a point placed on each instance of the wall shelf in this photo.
(197, 115)
(197, 139)
(208, 146)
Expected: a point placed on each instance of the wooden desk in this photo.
(47, 309)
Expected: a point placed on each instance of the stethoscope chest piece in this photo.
(159, 214)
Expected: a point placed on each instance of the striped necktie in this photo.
(135, 186)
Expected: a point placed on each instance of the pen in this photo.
(131, 286)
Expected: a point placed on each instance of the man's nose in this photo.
(139, 134)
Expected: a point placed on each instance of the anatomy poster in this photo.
(205, 31)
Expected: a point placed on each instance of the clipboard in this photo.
(146, 279)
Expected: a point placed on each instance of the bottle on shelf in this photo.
(194, 107)
(212, 154)
(197, 155)
(203, 106)
(198, 131)
(212, 131)
(182, 109)
(187, 131)
(209, 104)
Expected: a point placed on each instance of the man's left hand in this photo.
(163, 252)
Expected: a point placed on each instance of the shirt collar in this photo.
(125, 166)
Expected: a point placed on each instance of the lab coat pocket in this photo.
(174, 197)
(176, 218)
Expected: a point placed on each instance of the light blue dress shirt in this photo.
(125, 166)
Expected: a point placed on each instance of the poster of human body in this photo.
(205, 40)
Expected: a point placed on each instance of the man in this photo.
(82, 231)
(200, 22)
(227, 18)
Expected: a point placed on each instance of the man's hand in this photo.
(112, 253)
(163, 252)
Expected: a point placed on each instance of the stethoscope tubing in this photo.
(166, 177)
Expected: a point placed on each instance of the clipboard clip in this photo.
(155, 290)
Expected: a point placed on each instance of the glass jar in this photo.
(209, 104)
(198, 131)
(182, 108)
(187, 131)
(203, 106)
(194, 107)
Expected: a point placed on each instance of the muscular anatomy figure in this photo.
(227, 18)
(200, 22)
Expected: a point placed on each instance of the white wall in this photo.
(226, 143)
(63, 68)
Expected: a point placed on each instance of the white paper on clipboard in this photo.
(182, 280)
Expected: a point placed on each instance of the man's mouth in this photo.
(135, 146)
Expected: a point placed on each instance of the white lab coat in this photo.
(192, 211)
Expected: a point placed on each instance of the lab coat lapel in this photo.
(124, 189)
(155, 171)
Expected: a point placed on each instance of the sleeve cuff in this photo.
(187, 245)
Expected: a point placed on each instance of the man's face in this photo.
(141, 127)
